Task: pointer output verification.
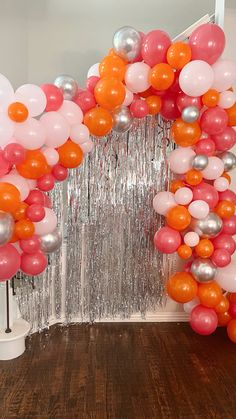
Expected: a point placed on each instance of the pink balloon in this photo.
(167, 240)
(71, 112)
(199, 209)
(33, 264)
(214, 169)
(35, 212)
(35, 197)
(139, 108)
(224, 241)
(203, 320)
(207, 193)
(207, 42)
(191, 239)
(91, 83)
(33, 97)
(31, 245)
(196, 78)
(47, 201)
(232, 310)
(46, 182)
(164, 201)
(19, 182)
(221, 258)
(14, 153)
(87, 147)
(227, 99)
(214, 120)
(129, 96)
(85, 100)
(205, 146)
(79, 133)
(226, 277)
(224, 75)
(225, 139)
(93, 70)
(57, 128)
(136, 77)
(180, 160)
(183, 196)
(183, 101)
(169, 109)
(229, 225)
(59, 172)
(9, 261)
(51, 155)
(154, 47)
(30, 134)
(227, 196)
(221, 184)
(53, 95)
(5, 165)
(48, 223)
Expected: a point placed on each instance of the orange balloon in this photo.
(223, 305)
(109, 92)
(178, 55)
(181, 287)
(20, 212)
(193, 177)
(231, 330)
(225, 209)
(227, 176)
(211, 98)
(209, 294)
(232, 297)
(175, 185)
(70, 154)
(99, 121)
(14, 237)
(24, 229)
(34, 165)
(9, 197)
(184, 251)
(18, 112)
(154, 104)
(112, 66)
(223, 318)
(204, 248)
(231, 115)
(178, 217)
(161, 76)
(185, 134)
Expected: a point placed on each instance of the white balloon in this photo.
(93, 70)
(226, 277)
(224, 75)
(188, 307)
(6, 129)
(196, 78)
(33, 97)
(227, 99)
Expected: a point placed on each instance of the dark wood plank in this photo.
(121, 371)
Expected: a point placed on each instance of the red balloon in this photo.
(206, 192)
(35, 197)
(227, 195)
(226, 242)
(207, 42)
(91, 83)
(33, 264)
(225, 140)
(154, 47)
(47, 202)
(5, 166)
(203, 320)
(9, 261)
(14, 153)
(183, 101)
(175, 87)
(35, 212)
(221, 258)
(214, 120)
(46, 182)
(205, 146)
(229, 225)
(167, 240)
(85, 100)
(31, 245)
(169, 109)
(54, 97)
(232, 310)
(59, 172)
(139, 108)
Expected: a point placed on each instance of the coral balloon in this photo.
(225, 209)
(228, 196)
(193, 177)
(178, 55)
(203, 320)
(167, 240)
(99, 121)
(70, 155)
(14, 153)
(59, 172)
(184, 101)
(18, 112)
(9, 261)
(221, 258)
(35, 212)
(229, 225)
(169, 109)
(112, 66)
(204, 249)
(34, 165)
(31, 245)
(109, 92)
(214, 120)
(185, 134)
(181, 287)
(232, 310)
(53, 95)
(33, 264)
(231, 330)
(211, 98)
(91, 83)
(184, 251)
(207, 42)
(35, 197)
(207, 193)
(24, 229)
(46, 182)
(225, 139)
(154, 104)
(9, 197)
(139, 108)
(161, 76)
(85, 100)
(178, 218)
(154, 47)
(205, 146)
(224, 241)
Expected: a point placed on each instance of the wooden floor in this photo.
(121, 371)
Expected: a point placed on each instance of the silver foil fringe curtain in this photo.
(107, 266)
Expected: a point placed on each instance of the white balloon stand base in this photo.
(12, 344)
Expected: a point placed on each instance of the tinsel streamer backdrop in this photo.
(107, 266)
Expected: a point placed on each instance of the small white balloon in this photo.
(199, 209)
(183, 196)
(93, 70)
(221, 184)
(51, 155)
(189, 306)
(163, 202)
(87, 147)
(33, 97)
(191, 239)
(227, 99)
(214, 169)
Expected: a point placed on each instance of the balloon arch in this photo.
(44, 131)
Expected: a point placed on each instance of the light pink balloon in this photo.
(87, 147)
(214, 169)
(221, 184)
(136, 77)
(226, 277)
(196, 78)
(33, 97)
(31, 183)
(6, 129)
(93, 70)
(57, 129)
(190, 305)
(191, 239)
(51, 155)
(128, 97)
(164, 201)
(183, 196)
(180, 160)
(6, 93)
(71, 112)
(30, 134)
(224, 75)
(19, 182)
(198, 209)
(227, 99)
(79, 133)
(48, 223)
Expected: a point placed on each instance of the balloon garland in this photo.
(44, 131)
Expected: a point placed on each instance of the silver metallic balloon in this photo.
(203, 270)
(200, 162)
(190, 114)
(208, 227)
(229, 160)
(67, 85)
(51, 242)
(122, 119)
(127, 43)
(6, 227)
